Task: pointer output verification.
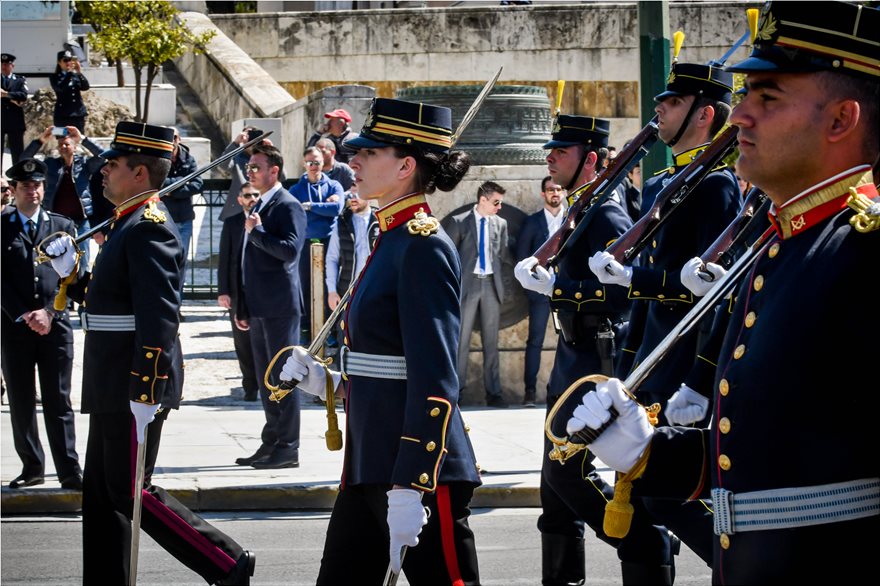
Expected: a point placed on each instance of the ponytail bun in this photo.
(451, 169)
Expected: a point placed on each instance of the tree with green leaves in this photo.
(147, 33)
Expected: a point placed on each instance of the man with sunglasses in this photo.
(480, 236)
(229, 288)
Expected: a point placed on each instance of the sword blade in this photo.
(136, 512)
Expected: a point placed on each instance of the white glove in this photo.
(621, 445)
(540, 281)
(686, 406)
(143, 415)
(310, 373)
(406, 517)
(609, 271)
(62, 253)
(691, 278)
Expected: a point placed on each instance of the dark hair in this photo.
(313, 149)
(866, 92)
(435, 171)
(544, 182)
(722, 113)
(157, 167)
(272, 154)
(489, 187)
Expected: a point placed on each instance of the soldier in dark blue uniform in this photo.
(691, 111)
(790, 458)
(588, 316)
(405, 435)
(14, 95)
(132, 368)
(34, 334)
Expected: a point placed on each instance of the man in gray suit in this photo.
(480, 236)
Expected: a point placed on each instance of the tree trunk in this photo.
(120, 76)
(137, 91)
(152, 70)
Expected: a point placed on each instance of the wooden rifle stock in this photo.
(610, 177)
(631, 242)
(749, 218)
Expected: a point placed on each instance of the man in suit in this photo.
(35, 335)
(132, 370)
(274, 235)
(534, 232)
(229, 288)
(14, 94)
(480, 236)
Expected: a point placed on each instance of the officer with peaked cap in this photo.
(132, 368)
(589, 316)
(14, 94)
(406, 444)
(68, 82)
(34, 335)
(789, 462)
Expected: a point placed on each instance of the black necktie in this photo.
(32, 230)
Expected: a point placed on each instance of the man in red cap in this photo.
(338, 129)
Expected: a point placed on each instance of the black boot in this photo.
(562, 560)
(242, 572)
(646, 574)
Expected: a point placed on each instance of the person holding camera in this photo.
(67, 176)
(68, 82)
(238, 170)
(337, 127)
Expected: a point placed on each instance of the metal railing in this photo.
(204, 249)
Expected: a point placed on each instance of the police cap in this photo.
(7, 58)
(27, 170)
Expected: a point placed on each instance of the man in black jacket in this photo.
(179, 202)
(14, 95)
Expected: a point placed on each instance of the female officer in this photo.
(406, 447)
(68, 81)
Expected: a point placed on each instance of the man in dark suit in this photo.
(274, 235)
(481, 239)
(34, 334)
(532, 234)
(132, 370)
(14, 94)
(229, 288)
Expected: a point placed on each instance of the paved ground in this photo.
(215, 425)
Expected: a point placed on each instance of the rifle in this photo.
(670, 198)
(580, 212)
(742, 229)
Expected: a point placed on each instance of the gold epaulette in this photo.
(152, 212)
(867, 217)
(423, 224)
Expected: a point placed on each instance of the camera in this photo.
(59, 131)
(254, 133)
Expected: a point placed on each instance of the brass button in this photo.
(683, 296)
(578, 295)
(724, 425)
(654, 243)
(636, 293)
(661, 296)
(598, 292)
(143, 397)
(651, 259)
(774, 250)
(724, 462)
(342, 324)
(725, 541)
(344, 307)
(759, 283)
(149, 355)
(467, 428)
(435, 411)
(750, 319)
(423, 478)
(345, 340)
(431, 446)
(557, 291)
(723, 387)
(145, 378)
(738, 353)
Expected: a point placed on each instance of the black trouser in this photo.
(52, 354)
(268, 336)
(241, 340)
(107, 509)
(357, 543)
(15, 140)
(539, 313)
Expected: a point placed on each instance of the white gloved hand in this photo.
(609, 271)
(406, 517)
(143, 415)
(621, 445)
(686, 406)
(540, 281)
(692, 279)
(310, 373)
(62, 253)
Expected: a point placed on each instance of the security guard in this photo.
(68, 82)
(34, 334)
(588, 316)
(14, 95)
(790, 459)
(406, 445)
(132, 367)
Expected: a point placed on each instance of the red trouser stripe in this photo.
(447, 535)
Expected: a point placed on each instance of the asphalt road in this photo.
(47, 551)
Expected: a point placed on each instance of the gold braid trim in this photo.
(867, 217)
(423, 224)
(152, 212)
